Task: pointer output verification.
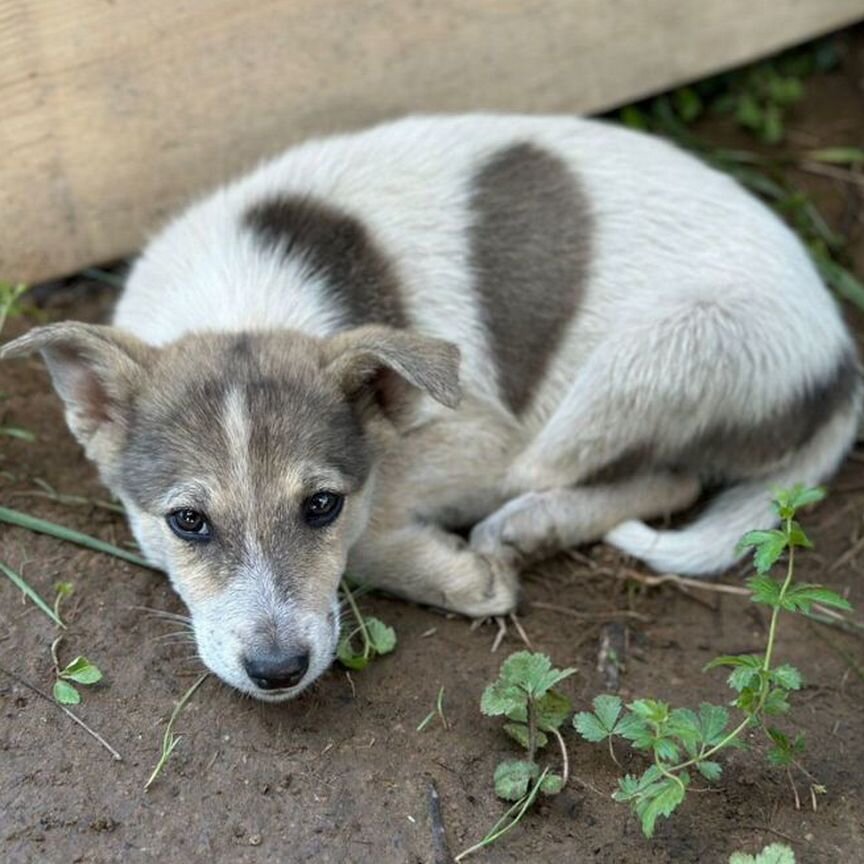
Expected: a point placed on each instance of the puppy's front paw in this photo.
(491, 587)
(509, 533)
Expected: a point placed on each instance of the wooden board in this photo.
(116, 112)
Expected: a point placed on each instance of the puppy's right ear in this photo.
(96, 371)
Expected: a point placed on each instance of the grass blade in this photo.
(169, 742)
(41, 526)
(18, 582)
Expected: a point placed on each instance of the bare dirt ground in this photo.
(341, 775)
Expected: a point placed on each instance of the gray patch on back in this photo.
(530, 253)
(731, 452)
(337, 248)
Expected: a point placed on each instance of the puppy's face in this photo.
(246, 464)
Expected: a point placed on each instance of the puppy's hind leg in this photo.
(538, 524)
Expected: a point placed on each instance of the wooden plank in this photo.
(116, 113)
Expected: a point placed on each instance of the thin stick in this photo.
(66, 711)
(19, 582)
(591, 616)
(41, 526)
(674, 579)
(565, 771)
(439, 706)
(169, 742)
(521, 631)
(848, 555)
(523, 804)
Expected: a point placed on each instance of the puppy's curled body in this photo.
(633, 328)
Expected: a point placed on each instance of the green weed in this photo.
(523, 694)
(375, 637)
(10, 297)
(680, 741)
(79, 671)
(169, 739)
(776, 853)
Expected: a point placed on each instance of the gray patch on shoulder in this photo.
(336, 247)
(530, 253)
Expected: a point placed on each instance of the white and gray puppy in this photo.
(282, 398)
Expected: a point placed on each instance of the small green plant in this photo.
(523, 694)
(776, 853)
(79, 671)
(19, 582)
(169, 739)
(679, 741)
(375, 637)
(10, 296)
(437, 710)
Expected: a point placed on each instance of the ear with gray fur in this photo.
(95, 371)
(383, 359)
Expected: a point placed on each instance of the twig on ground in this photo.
(440, 849)
(591, 616)
(65, 710)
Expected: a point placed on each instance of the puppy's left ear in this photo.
(382, 366)
(95, 370)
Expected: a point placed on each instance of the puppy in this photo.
(545, 327)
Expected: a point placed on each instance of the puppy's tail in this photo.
(708, 545)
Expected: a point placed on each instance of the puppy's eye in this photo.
(189, 524)
(322, 508)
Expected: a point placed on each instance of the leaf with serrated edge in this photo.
(661, 803)
(503, 698)
(786, 676)
(512, 778)
(713, 720)
(709, 770)
(635, 730)
(589, 727)
(608, 709)
(776, 853)
(804, 595)
(552, 710)
(382, 637)
(519, 732)
(552, 784)
(525, 669)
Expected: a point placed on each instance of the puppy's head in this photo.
(246, 464)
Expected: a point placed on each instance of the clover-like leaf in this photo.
(602, 723)
(635, 730)
(65, 693)
(512, 779)
(381, 637)
(348, 657)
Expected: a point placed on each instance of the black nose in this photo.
(276, 671)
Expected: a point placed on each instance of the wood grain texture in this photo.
(116, 112)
